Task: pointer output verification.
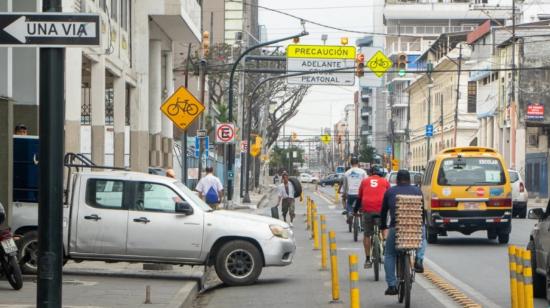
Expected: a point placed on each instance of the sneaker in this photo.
(391, 291)
(368, 263)
(290, 224)
(418, 266)
(344, 212)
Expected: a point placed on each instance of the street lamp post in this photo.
(230, 158)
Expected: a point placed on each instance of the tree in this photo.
(367, 153)
(280, 158)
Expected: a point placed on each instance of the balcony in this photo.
(365, 112)
(179, 19)
(366, 130)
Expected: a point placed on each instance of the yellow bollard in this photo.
(308, 214)
(337, 193)
(315, 231)
(527, 279)
(334, 268)
(324, 244)
(312, 219)
(353, 282)
(519, 278)
(513, 276)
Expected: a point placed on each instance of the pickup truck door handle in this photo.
(92, 217)
(142, 219)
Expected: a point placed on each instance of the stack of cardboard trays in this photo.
(408, 224)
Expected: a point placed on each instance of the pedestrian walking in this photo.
(210, 188)
(286, 198)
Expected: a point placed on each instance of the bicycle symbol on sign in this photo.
(183, 106)
(378, 62)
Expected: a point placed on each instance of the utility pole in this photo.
(430, 85)
(50, 211)
(457, 97)
(512, 105)
(184, 136)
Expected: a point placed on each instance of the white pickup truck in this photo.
(137, 217)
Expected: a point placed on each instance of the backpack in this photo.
(211, 196)
(297, 186)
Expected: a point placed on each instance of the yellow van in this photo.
(467, 189)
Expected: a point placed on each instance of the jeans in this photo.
(351, 203)
(390, 256)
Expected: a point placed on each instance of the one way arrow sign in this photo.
(49, 29)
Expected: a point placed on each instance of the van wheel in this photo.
(28, 252)
(503, 238)
(539, 283)
(431, 235)
(238, 263)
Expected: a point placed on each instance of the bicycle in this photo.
(376, 249)
(183, 106)
(378, 63)
(405, 275)
(357, 226)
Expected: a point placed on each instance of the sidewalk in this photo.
(101, 284)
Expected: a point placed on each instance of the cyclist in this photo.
(371, 195)
(352, 181)
(403, 187)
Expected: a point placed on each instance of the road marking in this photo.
(324, 198)
(482, 299)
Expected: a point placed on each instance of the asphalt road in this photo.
(302, 284)
(476, 265)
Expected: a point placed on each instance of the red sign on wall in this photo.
(535, 112)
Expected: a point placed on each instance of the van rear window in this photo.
(462, 171)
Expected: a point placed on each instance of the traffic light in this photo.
(205, 43)
(402, 63)
(360, 65)
(395, 164)
(344, 41)
(294, 136)
(296, 40)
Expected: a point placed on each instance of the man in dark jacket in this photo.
(403, 187)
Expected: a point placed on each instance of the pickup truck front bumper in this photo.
(278, 251)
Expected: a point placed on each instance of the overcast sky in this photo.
(315, 110)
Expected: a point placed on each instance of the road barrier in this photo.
(324, 244)
(353, 282)
(334, 268)
(315, 230)
(521, 277)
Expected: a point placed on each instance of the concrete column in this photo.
(6, 156)
(490, 132)
(155, 96)
(98, 110)
(73, 98)
(119, 109)
(167, 126)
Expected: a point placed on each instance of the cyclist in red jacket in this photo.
(371, 195)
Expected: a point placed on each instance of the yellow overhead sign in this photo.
(320, 52)
(326, 138)
(182, 108)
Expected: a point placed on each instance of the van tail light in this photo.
(499, 203)
(440, 203)
(521, 187)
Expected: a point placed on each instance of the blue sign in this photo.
(230, 174)
(388, 149)
(429, 130)
(197, 147)
(206, 145)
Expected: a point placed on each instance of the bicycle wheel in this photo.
(407, 283)
(400, 277)
(192, 109)
(376, 256)
(355, 228)
(350, 223)
(173, 109)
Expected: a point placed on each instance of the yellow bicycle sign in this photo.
(379, 64)
(182, 108)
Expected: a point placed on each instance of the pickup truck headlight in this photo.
(279, 231)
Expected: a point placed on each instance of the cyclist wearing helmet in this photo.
(371, 195)
(352, 181)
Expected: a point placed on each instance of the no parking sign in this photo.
(225, 133)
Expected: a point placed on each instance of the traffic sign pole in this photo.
(50, 211)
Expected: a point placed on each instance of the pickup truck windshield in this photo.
(188, 193)
(464, 171)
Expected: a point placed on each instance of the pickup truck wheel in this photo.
(28, 252)
(238, 263)
(539, 282)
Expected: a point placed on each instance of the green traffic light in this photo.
(402, 72)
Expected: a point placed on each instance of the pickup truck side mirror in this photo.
(537, 213)
(184, 208)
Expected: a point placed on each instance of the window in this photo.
(514, 177)
(472, 94)
(109, 106)
(464, 171)
(153, 197)
(533, 140)
(106, 194)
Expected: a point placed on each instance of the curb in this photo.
(185, 296)
(265, 197)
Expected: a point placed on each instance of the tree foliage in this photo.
(367, 153)
(280, 158)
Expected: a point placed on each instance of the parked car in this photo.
(332, 179)
(392, 177)
(137, 217)
(519, 195)
(539, 245)
(308, 178)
